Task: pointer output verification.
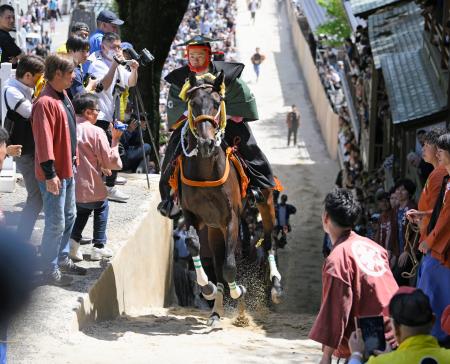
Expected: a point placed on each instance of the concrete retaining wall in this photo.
(327, 118)
(140, 275)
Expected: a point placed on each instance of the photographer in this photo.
(132, 154)
(412, 318)
(113, 80)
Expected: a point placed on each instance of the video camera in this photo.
(144, 57)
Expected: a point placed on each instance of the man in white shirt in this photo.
(18, 95)
(113, 80)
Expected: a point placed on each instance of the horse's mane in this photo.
(207, 78)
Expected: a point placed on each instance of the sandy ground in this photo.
(177, 335)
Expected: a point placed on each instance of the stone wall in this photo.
(326, 117)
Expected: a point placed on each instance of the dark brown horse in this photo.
(211, 194)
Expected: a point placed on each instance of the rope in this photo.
(184, 132)
(411, 230)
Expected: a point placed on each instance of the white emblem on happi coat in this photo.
(369, 259)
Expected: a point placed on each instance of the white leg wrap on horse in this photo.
(235, 290)
(202, 278)
(273, 267)
(211, 296)
(218, 303)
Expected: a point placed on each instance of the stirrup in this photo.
(256, 194)
(169, 209)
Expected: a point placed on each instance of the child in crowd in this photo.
(96, 157)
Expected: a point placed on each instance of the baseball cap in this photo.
(126, 45)
(410, 307)
(107, 16)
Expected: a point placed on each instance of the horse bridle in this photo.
(194, 121)
(202, 118)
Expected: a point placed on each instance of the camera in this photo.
(120, 126)
(144, 57)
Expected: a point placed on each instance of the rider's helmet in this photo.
(199, 53)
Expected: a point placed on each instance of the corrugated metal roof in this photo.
(314, 13)
(353, 20)
(365, 7)
(397, 30)
(411, 86)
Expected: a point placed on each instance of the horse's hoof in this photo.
(209, 291)
(243, 291)
(214, 320)
(277, 295)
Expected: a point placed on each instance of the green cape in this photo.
(239, 100)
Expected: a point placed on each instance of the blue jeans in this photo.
(134, 156)
(59, 219)
(101, 209)
(33, 205)
(256, 69)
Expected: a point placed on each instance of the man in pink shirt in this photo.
(96, 157)
(356, 277)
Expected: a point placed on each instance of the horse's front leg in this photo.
(217, 245)
(267, 211)
(208, 288)
(229, 266)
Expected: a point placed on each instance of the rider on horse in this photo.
(241, 108)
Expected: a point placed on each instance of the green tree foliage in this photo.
(337, 28)
(151, 24)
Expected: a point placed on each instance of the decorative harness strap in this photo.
(215, 183)
(244, 180)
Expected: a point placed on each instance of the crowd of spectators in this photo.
(405, 249)
(388, 207)
(330, 72)
(213, 19)
(49, 142)
(32, 38)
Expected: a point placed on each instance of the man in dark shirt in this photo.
(78, 49)
(9, 49)
(293, 123)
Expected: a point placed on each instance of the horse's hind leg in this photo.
(208, 288)
(267, 211)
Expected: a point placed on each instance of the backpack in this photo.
(18, 127)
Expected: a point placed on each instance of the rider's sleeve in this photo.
(240, 101)
(175, 106)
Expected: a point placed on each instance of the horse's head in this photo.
(206, 108)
